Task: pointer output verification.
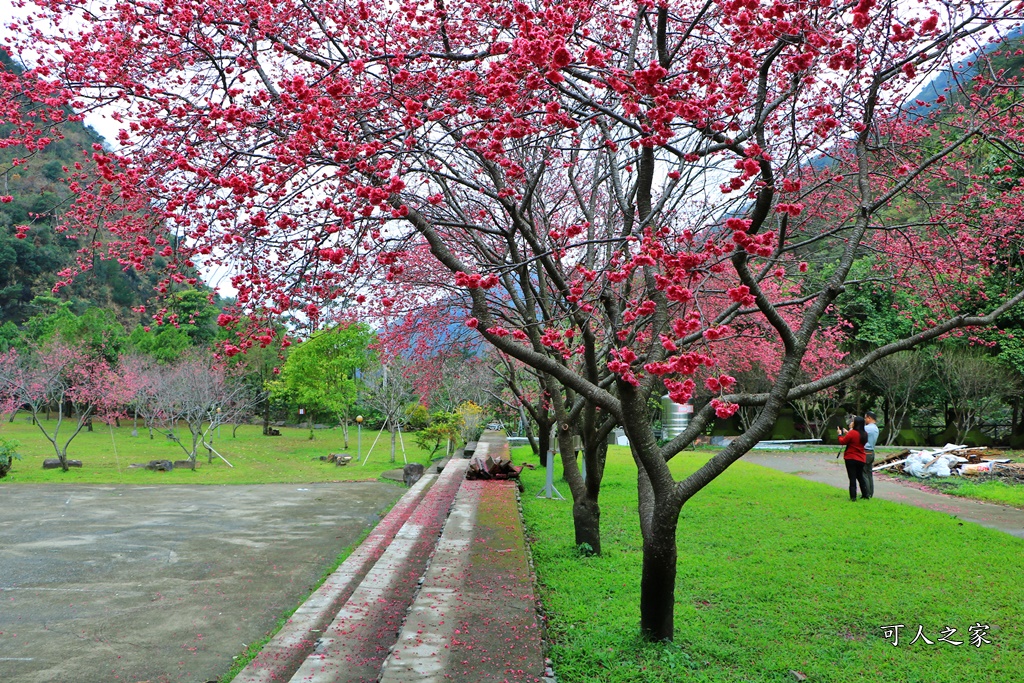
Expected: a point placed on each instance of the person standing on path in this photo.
(854, 439)
(867, 479)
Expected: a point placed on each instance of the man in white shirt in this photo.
(867, 480)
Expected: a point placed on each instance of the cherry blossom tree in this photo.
(622, 191)
(197, 391)
(142, 377)
(64, 377)
(388, 389)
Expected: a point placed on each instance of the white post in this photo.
(549, 490)
(402, 441)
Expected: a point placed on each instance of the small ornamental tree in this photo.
(388, 389)
(621, 191)
(64, 377)
(198, 391)
(529, 397)
(974, 383)
(444, 428)
(897, 379)
(143, 377)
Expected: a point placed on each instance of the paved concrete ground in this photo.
(163, 584)
(475, 619)
(450, 599)
(827, 469)
(353, 647)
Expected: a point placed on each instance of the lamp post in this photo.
(359, 438)
(218, 424)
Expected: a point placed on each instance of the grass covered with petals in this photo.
(779, 575)
(257, 459)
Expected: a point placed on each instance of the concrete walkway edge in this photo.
(290, 646)
(353, 647)
(475, 618)
(421, 653)
(450, 596)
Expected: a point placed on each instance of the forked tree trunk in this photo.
(586, 509)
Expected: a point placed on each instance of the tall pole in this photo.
(359, 438)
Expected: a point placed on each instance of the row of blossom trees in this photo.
(75, 387)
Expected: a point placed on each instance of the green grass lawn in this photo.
(777, 574)
(991, 490)
(257, 459)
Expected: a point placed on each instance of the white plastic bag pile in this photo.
(938, 462)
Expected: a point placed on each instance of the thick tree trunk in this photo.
(543, 443)
(658, 580)
(586, 518)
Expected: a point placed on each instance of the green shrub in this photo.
(444, 429)
(8, 454)
(417, 416)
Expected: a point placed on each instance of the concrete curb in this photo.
(286, 651)
(421, 653)
(475, 618)
(353, 647)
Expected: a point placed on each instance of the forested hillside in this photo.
(35, 193)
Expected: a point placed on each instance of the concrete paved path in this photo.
(475, 619)
(102, 584)
(354, 646)
(449, 599)
(288, 649)
(827, 469)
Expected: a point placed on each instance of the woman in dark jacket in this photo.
(854, 439)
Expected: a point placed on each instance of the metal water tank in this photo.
(675, 417)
